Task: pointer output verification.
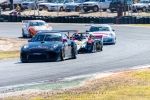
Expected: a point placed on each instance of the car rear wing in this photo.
(67, 30)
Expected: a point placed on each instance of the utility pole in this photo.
(124, 7)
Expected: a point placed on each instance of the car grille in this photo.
(37, 50)
(32, 56)
(37, 57)
(109, 40)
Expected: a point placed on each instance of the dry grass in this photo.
(9, 54)
(129, 85)
(144, 25)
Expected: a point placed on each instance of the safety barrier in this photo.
(79, 19)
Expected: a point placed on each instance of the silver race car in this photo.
(109, 36)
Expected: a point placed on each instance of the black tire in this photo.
(94, 48)
(104, 9)
(112, 11)
(4, 8)
(95, 9)
(62, 53)
(40, 9)
(61, 9)
(144, 9)
(47, 9)
(74, 54)
(24, 61)
(23, 34)
(77, 9)
(67, 10)
(101, 48)
(98, 46)
(85, 10)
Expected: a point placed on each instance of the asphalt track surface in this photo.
(132, 49)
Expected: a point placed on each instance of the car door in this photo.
(69, 45)
(102, 4)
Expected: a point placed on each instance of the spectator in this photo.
(18, 8)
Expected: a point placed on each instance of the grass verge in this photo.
(9, 54)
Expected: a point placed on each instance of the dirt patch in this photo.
(55, 13)
(11, 44)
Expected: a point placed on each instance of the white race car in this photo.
(33, 26)
(109, 36)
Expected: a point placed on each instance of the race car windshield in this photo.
(49, 37)
(94, 29)
(37, 23)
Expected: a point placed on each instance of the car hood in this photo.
(56, 4)
(44, 3)
(138, 4)
(73, 4)
(26, 2)
(43, 45)
(41, 28)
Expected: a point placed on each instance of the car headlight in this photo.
(25, 47)
(111, 35)
(54, 46)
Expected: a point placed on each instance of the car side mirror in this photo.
(29, 40)
(87, 31)
(64, 40)
(113, 30)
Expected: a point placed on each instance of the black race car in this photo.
(48, 46)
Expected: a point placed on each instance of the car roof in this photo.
(36, 21)
(101, 25)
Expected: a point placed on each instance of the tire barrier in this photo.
(79, 19)
(133, 20)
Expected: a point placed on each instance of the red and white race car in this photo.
(33, 26)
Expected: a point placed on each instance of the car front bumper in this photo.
(53, 8)
(108, 40)
(39, 56)
(87, 7)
